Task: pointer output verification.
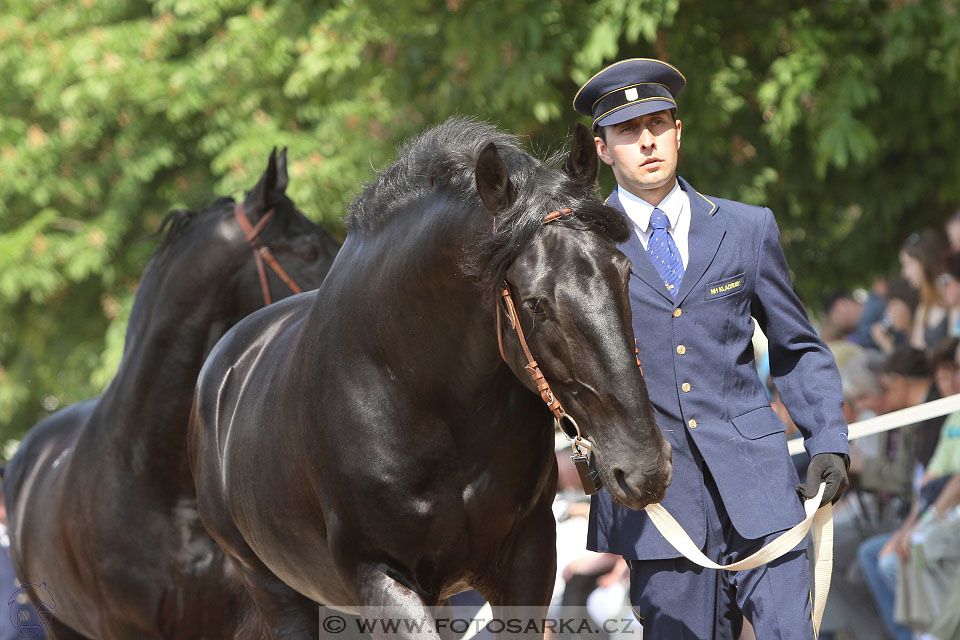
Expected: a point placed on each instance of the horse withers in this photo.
(370, 450)
(100, 499)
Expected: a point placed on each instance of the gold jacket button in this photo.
(692, 424)
(677, 312)
(686, 387)
(681, 349)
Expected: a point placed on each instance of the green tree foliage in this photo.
(840, 115)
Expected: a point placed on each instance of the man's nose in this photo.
(646, 139)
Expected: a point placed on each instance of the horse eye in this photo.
(533, 305)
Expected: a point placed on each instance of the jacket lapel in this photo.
(643, 268)
(706, 233)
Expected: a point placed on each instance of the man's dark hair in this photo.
(602, 134)
(908, 362)
(899, 289)
(833, 297)
(941, 354)
(953, 265)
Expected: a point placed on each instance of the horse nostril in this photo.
(621, 480)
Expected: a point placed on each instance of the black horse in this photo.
(99, 497)
(369, 447)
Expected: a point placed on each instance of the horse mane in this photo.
(173, 225)
(442, 161)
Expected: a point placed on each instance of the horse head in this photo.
(569, 286)
(231, 258)
(285, 251)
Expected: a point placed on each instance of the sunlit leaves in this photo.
(842, 116)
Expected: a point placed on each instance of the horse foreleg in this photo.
(282, 613)
(520, 594)
(390, 609)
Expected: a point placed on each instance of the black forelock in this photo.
(442, 160)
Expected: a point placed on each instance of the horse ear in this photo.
(582, 163)
(493, 180)
(256, 200)
(282, 178)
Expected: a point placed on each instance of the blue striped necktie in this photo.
(663, 251)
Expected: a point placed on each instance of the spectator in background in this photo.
(895, 326)
(953, 232)
(860, 515)
(842, 317)
(921, 261)
(863, 396)
(907, 381)
(873, 309)
(949, 283)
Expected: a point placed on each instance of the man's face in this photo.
(945, 378)
(844, 314)
(895, 391)
(643, 154)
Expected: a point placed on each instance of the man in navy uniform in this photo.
(702, 267)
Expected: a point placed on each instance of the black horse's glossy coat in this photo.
(370, 447)
(99, 496)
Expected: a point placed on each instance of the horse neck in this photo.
(431, 324)
(171, 329)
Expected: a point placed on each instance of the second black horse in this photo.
(370, 448)
(99, 496)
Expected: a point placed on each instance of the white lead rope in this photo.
(821, 519)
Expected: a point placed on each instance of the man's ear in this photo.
(603, 151)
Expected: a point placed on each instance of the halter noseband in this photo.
(261, 252)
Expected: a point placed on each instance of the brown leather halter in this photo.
(539, 381)
(261, 252)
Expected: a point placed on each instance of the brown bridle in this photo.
(532, 368)
(261, 252)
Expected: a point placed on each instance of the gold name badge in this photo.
(724, 287)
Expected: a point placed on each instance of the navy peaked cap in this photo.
(627, 89)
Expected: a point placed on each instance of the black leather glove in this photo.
(830, 468)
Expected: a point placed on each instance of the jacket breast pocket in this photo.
(759, 423)
(726, 287)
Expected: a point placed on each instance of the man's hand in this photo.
(830, 468)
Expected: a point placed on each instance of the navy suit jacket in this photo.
(698, 364)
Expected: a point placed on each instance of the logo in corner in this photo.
(28, 618)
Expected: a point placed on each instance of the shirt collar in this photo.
(639, 210)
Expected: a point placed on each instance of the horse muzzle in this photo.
(641, 484)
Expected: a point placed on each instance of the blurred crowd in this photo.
(897, 530)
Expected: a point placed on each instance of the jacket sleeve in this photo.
(802, 367)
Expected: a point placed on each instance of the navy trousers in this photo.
(676, 599)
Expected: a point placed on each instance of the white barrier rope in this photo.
(893, 420)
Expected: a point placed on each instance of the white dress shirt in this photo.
(676, 206)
